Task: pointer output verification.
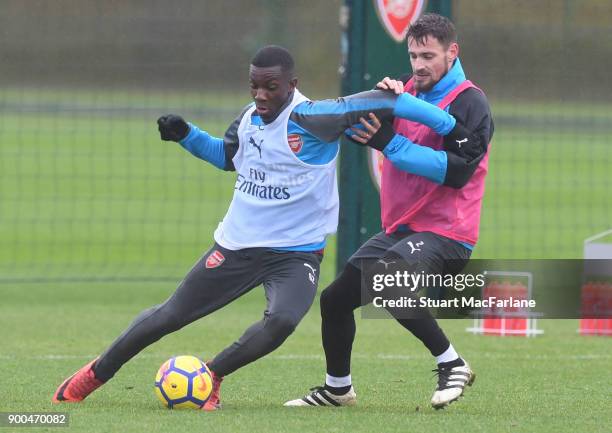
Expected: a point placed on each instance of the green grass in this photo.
(558, 382)
(103, 195)
(546, 192)
(89, 191)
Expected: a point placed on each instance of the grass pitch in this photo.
(90, 195)
(558, 382)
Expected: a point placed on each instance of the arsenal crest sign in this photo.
(295, 142)
(375, 159)
(396, 15)
(215, 259)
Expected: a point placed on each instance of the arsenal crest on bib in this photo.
(295, 142)
(215, 259)
(396, 15)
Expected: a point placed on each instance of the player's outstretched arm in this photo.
(172, 127)
(445, 124)
(328, 119)
(403, 153)
(453, 166)
(199, 143)
(412, 108)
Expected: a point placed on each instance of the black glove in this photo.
(172, 127)
(382, 137)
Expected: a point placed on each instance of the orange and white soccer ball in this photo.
(183, 382)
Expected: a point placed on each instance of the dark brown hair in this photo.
(434, 25)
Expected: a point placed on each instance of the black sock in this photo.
(451, 364)
(341, 390)
(428, 331)
(337, 320)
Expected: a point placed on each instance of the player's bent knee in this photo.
(168, 319)
(328, 304)
(280, 325)
(343, 295)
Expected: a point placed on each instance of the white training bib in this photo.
(279, 200)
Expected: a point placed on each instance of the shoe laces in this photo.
(317, 390)
(443, 376)
(85, 383)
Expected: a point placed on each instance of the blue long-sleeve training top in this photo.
(320, 125)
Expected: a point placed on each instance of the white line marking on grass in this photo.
(400, 357)
(296, 357)
(303, 357)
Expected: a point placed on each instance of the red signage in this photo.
(397, 15)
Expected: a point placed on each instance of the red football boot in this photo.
(78, 386)
(214, 401)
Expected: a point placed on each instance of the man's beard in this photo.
(427, 87)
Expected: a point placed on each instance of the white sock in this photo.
(448, 355)
(337, 382)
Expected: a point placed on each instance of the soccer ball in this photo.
(183, 382)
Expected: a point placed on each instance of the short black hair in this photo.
(273, 55)
(435, 25)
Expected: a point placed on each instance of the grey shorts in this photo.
(431, 252)
(289, 279)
